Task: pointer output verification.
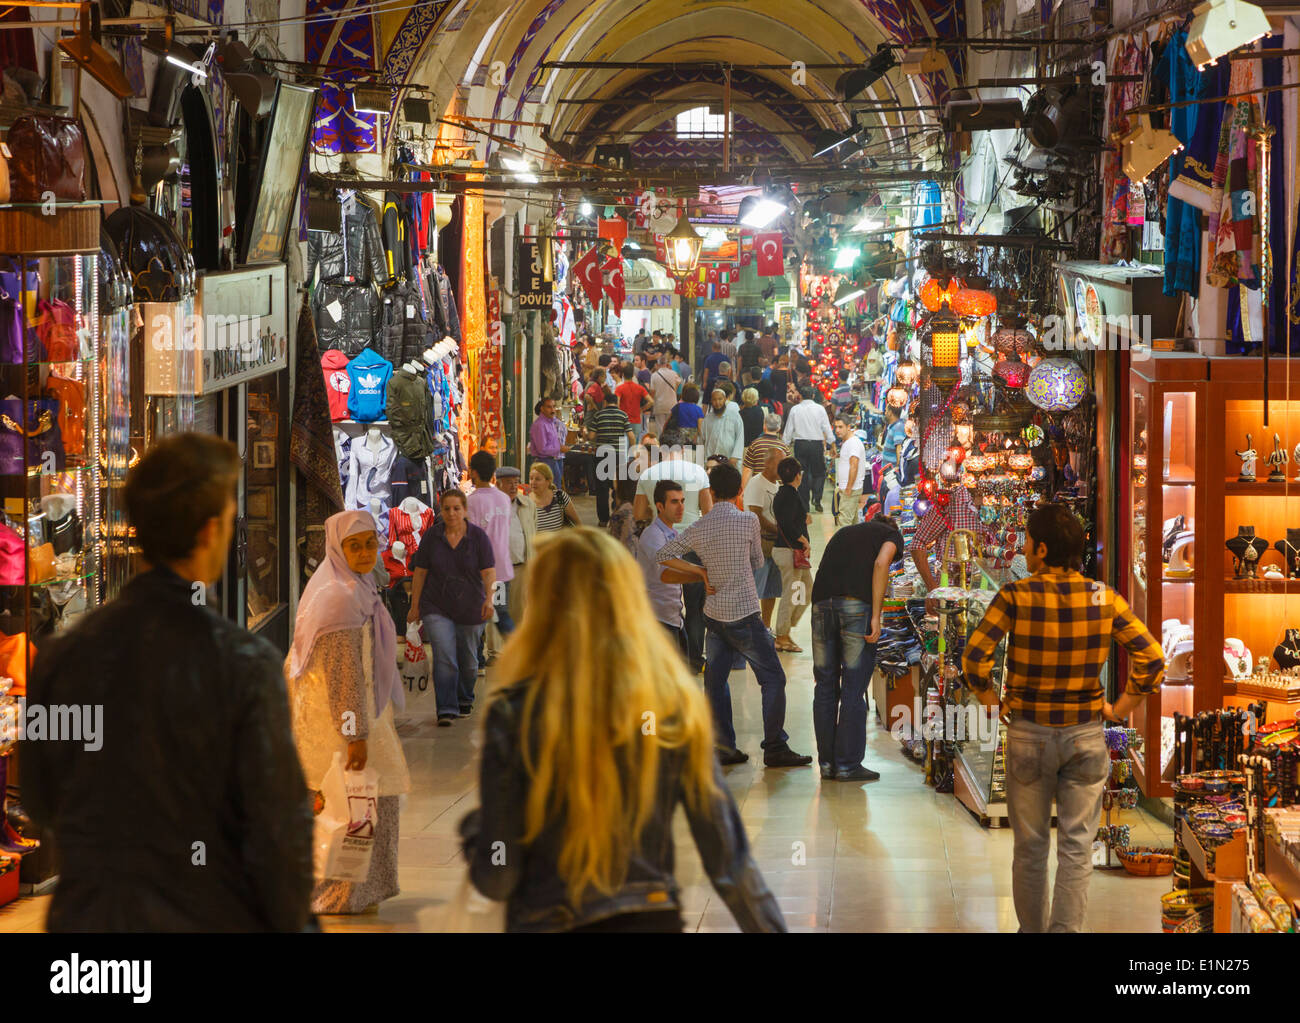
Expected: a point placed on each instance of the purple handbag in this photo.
(38, 430)
(13, 330)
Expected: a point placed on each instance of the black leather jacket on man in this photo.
(527, 879)
(193, 815)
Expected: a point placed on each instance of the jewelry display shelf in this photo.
(1261, 586)
(1245, 689)
(1235, 488)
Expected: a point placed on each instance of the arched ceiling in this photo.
(436, 42)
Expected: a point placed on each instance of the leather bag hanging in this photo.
(48, 155)
(38, 430)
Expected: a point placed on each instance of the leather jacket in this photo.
(197, 747)
(527, 878)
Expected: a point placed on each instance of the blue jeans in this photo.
(750, 640)
(505, 623)
(1070, 765)
(842, 665)
(455, 661)
(556, 465)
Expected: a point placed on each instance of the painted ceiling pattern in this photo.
(400, 39)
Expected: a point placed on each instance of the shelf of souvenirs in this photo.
(1275, 685)
(1233, 487)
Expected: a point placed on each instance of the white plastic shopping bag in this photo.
(415, 665)
(344, 831)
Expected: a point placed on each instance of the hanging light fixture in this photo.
(906, 373)
(897, 396)
(847, 292)
(935, 294)
(1145, 148)
(945, 350)
(1221, 26)
(973, 302)
(684, 244)
(1011, 372)
(1057, 385)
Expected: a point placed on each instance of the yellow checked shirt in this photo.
(1059, 625)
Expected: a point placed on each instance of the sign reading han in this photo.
(534, 289)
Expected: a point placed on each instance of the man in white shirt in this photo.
(850, 472)
(757, 498)
(664, 385)
(808, 431)
(697, 500)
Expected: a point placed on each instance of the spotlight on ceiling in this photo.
(964, 112)
(922, 61)
(854, 83)
(1221, 26)
(1146, 148)
(845, 257)
(372, 99)
(871, 222)
(841, 143)
(760, 211)
(584, 210)
(1057, 118)
(522, 168)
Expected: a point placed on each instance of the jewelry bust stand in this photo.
(1246, 550)
(1287, 653)
(1290, 551)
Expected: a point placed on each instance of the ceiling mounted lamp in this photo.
(907, 373)
(963, 112)
(248, 80)
(854, 83)
(1221, 26)
(1053, 116)
(372, 99)
(418, 110)
(846, 256)
(759, 211)
(521, 169)
(922, 61)
(179, 55)
(94, 59)
(1057, 385)
(1146, 148)
(842, 143)
(684, 244)
(1012, 338)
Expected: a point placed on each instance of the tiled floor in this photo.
(890, 855)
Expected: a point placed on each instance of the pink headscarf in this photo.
(337, 598)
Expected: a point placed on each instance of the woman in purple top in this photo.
(546, 437)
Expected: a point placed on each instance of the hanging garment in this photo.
(369, 475)
(1182, 228)
(71, 395)
(1235, 244)
(368, 376)
(396, 251)
(347, 315)
(410, 413)
(310, 442)
(1128, 59)
(357, 252)
(410, 479)
(406, 334)
(450, 327)
(334, 372)
(407, 523)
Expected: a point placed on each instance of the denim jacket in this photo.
(528, 880)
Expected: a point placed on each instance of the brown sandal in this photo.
(788, 647)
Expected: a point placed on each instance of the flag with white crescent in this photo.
(587, 272)
(769, 253)
(613, 273)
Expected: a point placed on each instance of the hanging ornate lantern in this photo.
(907, 373)
(1011, 337)
(934, 295)
(945, 350)
(973, 302)
(896, 396)
(1057, 385)
(1011, 372)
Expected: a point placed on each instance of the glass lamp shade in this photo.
(896, 397)
(971, 302)
(683, 245)
(976, 463)
(1011, 372)
(907, 373)
(1013, 341)
(1057, 385)
(1020, 461)
(935, 296)
(945, 350)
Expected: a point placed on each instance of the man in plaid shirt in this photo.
(727, 542)
(1059, 626)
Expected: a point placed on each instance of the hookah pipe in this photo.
(1254, 767)
(1286, 777)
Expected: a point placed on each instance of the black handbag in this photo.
(65, 534)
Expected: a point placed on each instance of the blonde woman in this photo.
(595, 731)
(554, 507)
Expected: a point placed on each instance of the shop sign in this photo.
(535, 290)
(648, 300)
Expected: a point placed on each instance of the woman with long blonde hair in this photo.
(595, 730)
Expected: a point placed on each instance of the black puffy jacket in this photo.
(357, 252)
(527, 878)
(348, 316)
(193, 815)
(406, 335)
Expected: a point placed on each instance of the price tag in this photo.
(4, 148)
(335, 309)
(410, 311)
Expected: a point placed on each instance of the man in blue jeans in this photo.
(1059, 626)
(847, 597)
(727, 542)
(453, 575)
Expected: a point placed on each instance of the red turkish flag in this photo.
(679, 288)
(587, 272)
(724, 290)
(661, 249)
(713, 275)
(613, 273)
(615, 229)
(771, 254)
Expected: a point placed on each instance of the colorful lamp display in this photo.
(971, 302)
(1011, 372)
(945, 349)
(935, 296)
(1057, 385)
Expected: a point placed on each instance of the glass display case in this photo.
(1165, 441)
(52, 465)
(981, 775)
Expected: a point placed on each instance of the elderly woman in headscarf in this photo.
(344, 686)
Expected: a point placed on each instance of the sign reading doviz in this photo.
(534, 289)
